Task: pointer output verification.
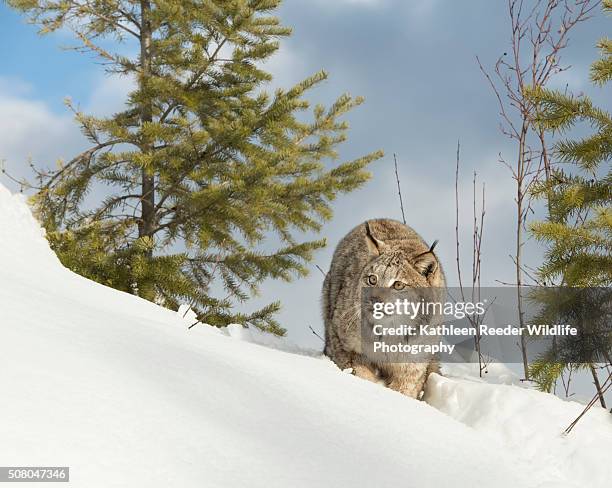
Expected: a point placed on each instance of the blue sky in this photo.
(413, 61)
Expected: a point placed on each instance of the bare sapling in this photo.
(539, 33)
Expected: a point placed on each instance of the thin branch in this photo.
(604, 387)
(399, 189)
(315, 333)
(457, 219)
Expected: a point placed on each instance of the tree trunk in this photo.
(147, 215)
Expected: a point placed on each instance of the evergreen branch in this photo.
(83, 8)
(87, 154)
(219, 163)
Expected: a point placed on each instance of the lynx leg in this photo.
(345, 360)
(407, 379)
(433, 367)
(334, 350)
(366, 372)
(406, 387)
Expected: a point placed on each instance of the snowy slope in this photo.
(123, 393)
(529, 422)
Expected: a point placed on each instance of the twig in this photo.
(315, 333)
(602, 399)
(607, 384)
(477, 234)
(319, 268)
(457, 218)
(399, 189)
(566, 385)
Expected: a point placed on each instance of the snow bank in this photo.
(529, 424)
(22, 242)
(247, 334)
(126, 395)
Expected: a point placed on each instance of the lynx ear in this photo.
(375, 246)
(426, 263)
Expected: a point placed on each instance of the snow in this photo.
(529, 423)
(127, 395)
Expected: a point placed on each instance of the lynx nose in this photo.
(378, 295)
(386, 292)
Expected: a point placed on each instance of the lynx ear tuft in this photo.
(433, 246)
(375, 246)
(426, 263)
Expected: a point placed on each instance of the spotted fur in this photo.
(392, 253)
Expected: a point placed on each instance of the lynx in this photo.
(379, 253)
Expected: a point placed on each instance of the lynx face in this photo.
(396, 265)
(394, 269)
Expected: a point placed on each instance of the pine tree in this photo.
(203, 166)
(578, 229)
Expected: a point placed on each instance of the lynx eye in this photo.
(372, 279)
(399, 285)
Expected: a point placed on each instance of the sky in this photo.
(414, 62)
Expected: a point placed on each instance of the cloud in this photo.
(573, 80)
(109, 95)
(422, 8)
(14, 86)
(353, 2)
(361, 2)
(417, 9)
(286, 68)
(334, 4)
(31, 130)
